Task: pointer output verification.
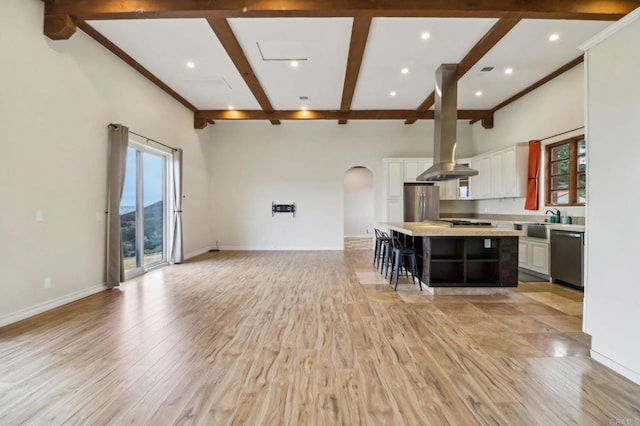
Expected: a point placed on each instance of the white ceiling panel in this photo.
(165, 46)
(324, 45)
(395, 43)
(527, 50)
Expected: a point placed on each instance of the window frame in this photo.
(573, 171)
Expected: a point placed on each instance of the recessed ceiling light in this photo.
(294, 64)
(554, 37)
(405, 70)
(478, 93)
(425, 35)
(231, 107)
(191, 65)
(392, 93)
(303, 107)
(508, 71)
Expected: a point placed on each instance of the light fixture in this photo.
(425, 35)
(554, 37)
(508, 71)
(392, 93)
(478, 93)
(231, 107)
(303, 107)
(405, 70)
(191, 65)
(294, 64)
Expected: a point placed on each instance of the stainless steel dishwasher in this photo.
(567, 257)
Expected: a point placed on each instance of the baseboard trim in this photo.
(245, 248)
(50, 304)
(195, 253)
(618, 368)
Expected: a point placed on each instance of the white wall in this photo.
(255, 163)
(612, 294)
(359, 209)
(56, 99)
(553, 108)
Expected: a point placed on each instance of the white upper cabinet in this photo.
(481, 183)
(413, 167)
(501, 173)
(393, 178)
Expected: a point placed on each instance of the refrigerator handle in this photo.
(421, 209)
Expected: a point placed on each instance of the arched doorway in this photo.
(358, 207)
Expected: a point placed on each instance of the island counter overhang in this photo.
(471, 257)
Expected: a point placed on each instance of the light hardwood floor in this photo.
(306, 338)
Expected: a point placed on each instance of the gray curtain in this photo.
(117, 161)
(175, 238)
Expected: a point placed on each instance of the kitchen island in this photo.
(462, 260)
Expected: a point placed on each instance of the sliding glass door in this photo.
(143, 209)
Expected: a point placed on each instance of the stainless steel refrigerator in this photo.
(421, 202)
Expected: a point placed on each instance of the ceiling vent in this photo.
(487, 69)
(282, 51)
(304, 98)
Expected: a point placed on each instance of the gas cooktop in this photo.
(461, 223)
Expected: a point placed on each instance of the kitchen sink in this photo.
(537, 230)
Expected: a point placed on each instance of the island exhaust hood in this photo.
(445, 122)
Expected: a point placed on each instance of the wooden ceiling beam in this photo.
(484, 45)
(132, 63)
(359, 35)
(541, 9)
(58, 27)
(566, 67)
(333, 115)
(223, 31)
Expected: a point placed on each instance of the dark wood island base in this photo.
(477, 261)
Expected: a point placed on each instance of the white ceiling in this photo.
(395, 43)
(164, 46)
(325, 45)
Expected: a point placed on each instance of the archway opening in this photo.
(358, 207)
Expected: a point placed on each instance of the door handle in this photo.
(566, 234)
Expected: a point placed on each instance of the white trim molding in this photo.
(621, 369)
(610, 30)
(50, 304)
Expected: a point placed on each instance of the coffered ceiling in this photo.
(278, 60)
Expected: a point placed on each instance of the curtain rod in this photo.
(563, 133)
(148, 139)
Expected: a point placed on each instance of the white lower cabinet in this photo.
(533, 255)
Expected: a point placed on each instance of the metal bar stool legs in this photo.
(401, 255)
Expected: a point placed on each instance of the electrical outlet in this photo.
(47, 282)
(487, 243)
(486, 209)
(39, 216)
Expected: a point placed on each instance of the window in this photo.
(566, 173)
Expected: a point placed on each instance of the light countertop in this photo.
(435, 229)
(556, 226)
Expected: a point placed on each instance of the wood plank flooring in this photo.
(306, 338)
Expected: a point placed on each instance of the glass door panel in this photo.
(153, 190)
(129, 224)
(143, 210)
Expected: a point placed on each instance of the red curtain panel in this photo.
(531, 202)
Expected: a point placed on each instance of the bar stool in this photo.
(379, 253)
(400, 256)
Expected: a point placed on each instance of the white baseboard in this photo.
(50, 304)
(196, 253)
(618, 368)
(297, 248)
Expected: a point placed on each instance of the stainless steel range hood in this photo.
(445, 122)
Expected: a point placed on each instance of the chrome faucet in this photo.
(555, 213)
